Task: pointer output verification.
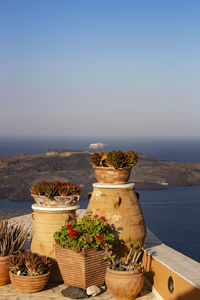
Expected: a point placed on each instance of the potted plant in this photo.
(125, 276)
(12, 238)
(55, 193)
(113, 167)
(79, 247)
(29, 272)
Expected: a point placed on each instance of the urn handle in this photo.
(118, 202)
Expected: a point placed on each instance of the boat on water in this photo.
(97, 146)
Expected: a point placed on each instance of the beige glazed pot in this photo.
(108, 175)
(124, 285)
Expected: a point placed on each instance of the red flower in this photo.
(69, 226)
(100, 238)
(103, 218)
(72, 234)
(56, 241)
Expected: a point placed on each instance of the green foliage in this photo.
(132, 261)
(12, 237)
(88, 233)
(54, 188)
(116, 159)
(29, 263)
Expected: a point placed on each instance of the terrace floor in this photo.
(8, 292)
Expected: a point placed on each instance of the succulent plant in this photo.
(50, 191)
(131, 158)
(96, 159)
(29, 263)
(12, 237)
(132, 260)
(116, 159)
(54, 188)
(16, 263)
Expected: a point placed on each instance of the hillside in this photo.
(17, 173)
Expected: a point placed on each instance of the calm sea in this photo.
(172, 214)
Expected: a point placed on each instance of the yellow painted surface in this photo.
(158, 274)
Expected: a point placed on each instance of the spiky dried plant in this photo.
(12, 237)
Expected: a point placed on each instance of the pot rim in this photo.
(112, 168)
(134, 272)
(43, 196)
(2, 258)
(24, 276)
(82, 251)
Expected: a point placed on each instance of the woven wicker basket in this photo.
(81, 269)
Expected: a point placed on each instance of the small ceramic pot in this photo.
(106, 175)
(124, 285)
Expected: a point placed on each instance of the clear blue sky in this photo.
(100, 68)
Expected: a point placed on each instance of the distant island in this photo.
(18, 173)
(97, 145)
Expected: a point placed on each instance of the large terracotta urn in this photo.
(120, 206)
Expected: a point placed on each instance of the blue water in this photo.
(172, 214)
(174, 149)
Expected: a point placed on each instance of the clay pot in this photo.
(4, 271)
(108, 175)
(57, 201)
(124, 285)
(81, 269)
(29, 284)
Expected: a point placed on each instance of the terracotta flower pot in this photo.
(4, 271)
(106, 175)
(81, 269)
(124, 285)
(29, 284)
